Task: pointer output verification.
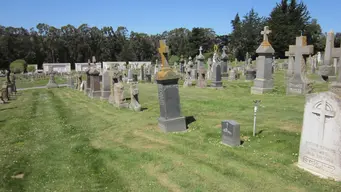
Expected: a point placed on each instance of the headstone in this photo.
(142, 73)
(95, 85)
(79, 77)
(291, 63)
(182, 64)
(105, 85)
(52, 83)
(71, 83)
(120, 101)
(320, 146)
(330, 52)
(216, 76)
(87, 87)
(298, 83)
(113, 79)
(250, 74)
(201, 70)
(230, 131)
(224, 59)
(130, 75)
(335, 87)
(170, 119)
(232, 75)
(13, 83)
(4, 92)
(210, 68)
(135, 78)
(134, 97)
(263, 82)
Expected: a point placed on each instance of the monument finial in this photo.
(265, 34)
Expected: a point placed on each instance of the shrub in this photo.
(173, 59)
(18, 66)
(31, 68)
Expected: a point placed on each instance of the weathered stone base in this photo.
(262, 86)
(298, 88)
(105, 95)
(216, 84)
(135, 107)
(172, 125)
(302, 166)
(51, 85)
(259, 90)
(327, 70)
(95, 94)
(122, 105)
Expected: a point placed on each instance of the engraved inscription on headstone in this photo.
(230, 133)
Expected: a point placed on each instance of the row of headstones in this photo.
(320, 147)
(109, 87)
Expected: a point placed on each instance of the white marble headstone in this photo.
(320, 147)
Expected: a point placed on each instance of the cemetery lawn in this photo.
(26, 83)
(61, 140)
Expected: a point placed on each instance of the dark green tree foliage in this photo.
(73, 44)
(287, 21)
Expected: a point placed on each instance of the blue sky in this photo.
(151, 16)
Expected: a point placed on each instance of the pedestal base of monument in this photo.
(172, 125)
(298, 87)
(216, 84)
(95, 94)
(105, 95)
(327, 70)
(52, 85)
(262, 86)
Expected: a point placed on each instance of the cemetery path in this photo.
(59, 139)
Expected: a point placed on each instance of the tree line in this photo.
(71, 44)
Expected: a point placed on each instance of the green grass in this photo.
(64, 141)
(26, 83)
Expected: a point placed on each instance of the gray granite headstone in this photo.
(95, 85)
(87, 88)
(263, 82)
(230, 131)
(105, 85)
(224, 60)
(216, 76)
(250, 74)
(170, 119)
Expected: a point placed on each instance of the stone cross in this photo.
(301, 48)
(265, 34)
(200, 50)
(224, 49)
(323, 113)
(163, 50)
